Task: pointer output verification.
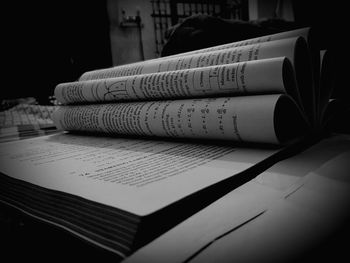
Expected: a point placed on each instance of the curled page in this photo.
(302, 32)
(273, 75)
(295, 49)
(244, 119)
(278, 48)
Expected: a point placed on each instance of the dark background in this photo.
(48, 42)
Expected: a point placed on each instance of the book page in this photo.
(295, 49)
(257, 195)
(298, 224)
(244, 119)
(252, 77)
(138, 176)
(233, 210)
(303, 32)
(278, 48)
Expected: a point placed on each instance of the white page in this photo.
(303, 32)
(253, 198)
(307, 215)
(139, 176)
(224, 215)
(273, 49)
(279, 235)
(294, 170)
(252, 77)
(306, 218)
(244, 118)
(327, 189)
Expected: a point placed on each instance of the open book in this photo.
(261, 90)
(121, 191)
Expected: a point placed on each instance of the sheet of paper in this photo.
(292, 226)
(327, 190)
(253, 77)
(268, 190)
(139, 176)
(308, 214)
(139, 67)
(244, 118)
(278, 235)
(180, 243)
(292, 171)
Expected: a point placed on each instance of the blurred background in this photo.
(49, 42)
